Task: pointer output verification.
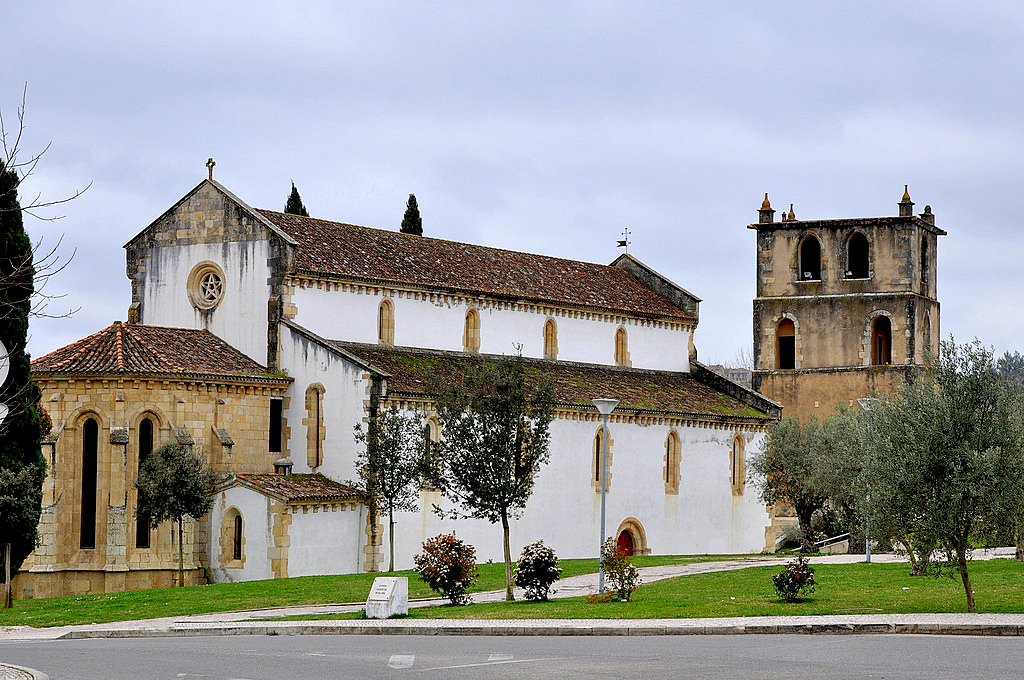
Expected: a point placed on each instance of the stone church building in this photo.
(263, 339)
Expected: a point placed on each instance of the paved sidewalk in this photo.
(258, 622)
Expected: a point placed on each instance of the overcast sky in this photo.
(537, 126)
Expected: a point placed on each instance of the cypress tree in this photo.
(411, 222)
(294, 205)
(22, 464)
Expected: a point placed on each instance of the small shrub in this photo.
(599, 598)
(617, 568)
(536, 570)
(448, 566)
(797, 578)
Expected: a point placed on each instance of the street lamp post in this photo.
(867, 403)
(604, 407)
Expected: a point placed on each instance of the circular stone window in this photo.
(206, 285)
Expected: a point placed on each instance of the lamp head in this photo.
(605, 406)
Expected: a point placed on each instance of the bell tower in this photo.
(844, 307)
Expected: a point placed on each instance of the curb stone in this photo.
(11, 672)
(552, 628)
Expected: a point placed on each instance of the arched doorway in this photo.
(625, 542)
(631, 537)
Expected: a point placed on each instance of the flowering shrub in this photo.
(448, 566)
(617, 568)
(795, 579)
(536, 570)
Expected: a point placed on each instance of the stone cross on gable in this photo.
(209, 165)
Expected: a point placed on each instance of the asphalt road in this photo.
(321, 657)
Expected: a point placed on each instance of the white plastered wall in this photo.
(565, 509)
(257, 525)
(325, 541)
(440, 324)
(345, 391)
(241, 317)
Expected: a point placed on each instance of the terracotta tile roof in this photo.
(376, 255)
(304, 487)
(416, 372)
(131, 349)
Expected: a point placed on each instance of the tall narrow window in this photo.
(601, 468)
(857, 259)
(550, 340)
(430, 458)
(673, 460)
(737, 465)
(274, 434)
(924, 263)
(881, 341)
(810, 259)
(236, 539)
(785, 344)
(386, 323)
(927, 332)
(90, 447)
(621, 348)
(142, 526)
(314, 422)
(471, 336)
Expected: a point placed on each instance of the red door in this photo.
(626, 543)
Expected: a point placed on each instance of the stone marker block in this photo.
(388, 596)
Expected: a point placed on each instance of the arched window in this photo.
(90, 450)
(810, 259)
(430, 453)
(924, 262)
(314, 422)
(673, 460)
(926, 332)
(857, 257)
(881, 341)
(145, 448)
(785, 345)
(236, 538)
(471, 335)
(232, 539)
(386, 323)
(595, 472)
(737, 465)
(621, 348)
(550, 340)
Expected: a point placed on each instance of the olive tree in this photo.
(174, 483)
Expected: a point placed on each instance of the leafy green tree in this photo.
(174, 483)
(389, 465)
(791, 468)
(947, 455)
(1012, 365)
(494, 438)
(411, 222)
(294, 204)
(22, 465)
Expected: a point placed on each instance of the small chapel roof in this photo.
(298, 488)
(134, 349)
(699, 393)
(377, 255)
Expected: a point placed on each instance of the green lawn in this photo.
(842, 589)
(147, 604)
(850, 588)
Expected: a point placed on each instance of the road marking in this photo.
(490, 663)
(317, 654)
(401, 661)
(500, 657)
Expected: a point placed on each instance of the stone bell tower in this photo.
(844, 307)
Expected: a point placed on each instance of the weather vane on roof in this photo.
(624, 241)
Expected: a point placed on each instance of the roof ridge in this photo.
(85, 343)
(167, 362)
